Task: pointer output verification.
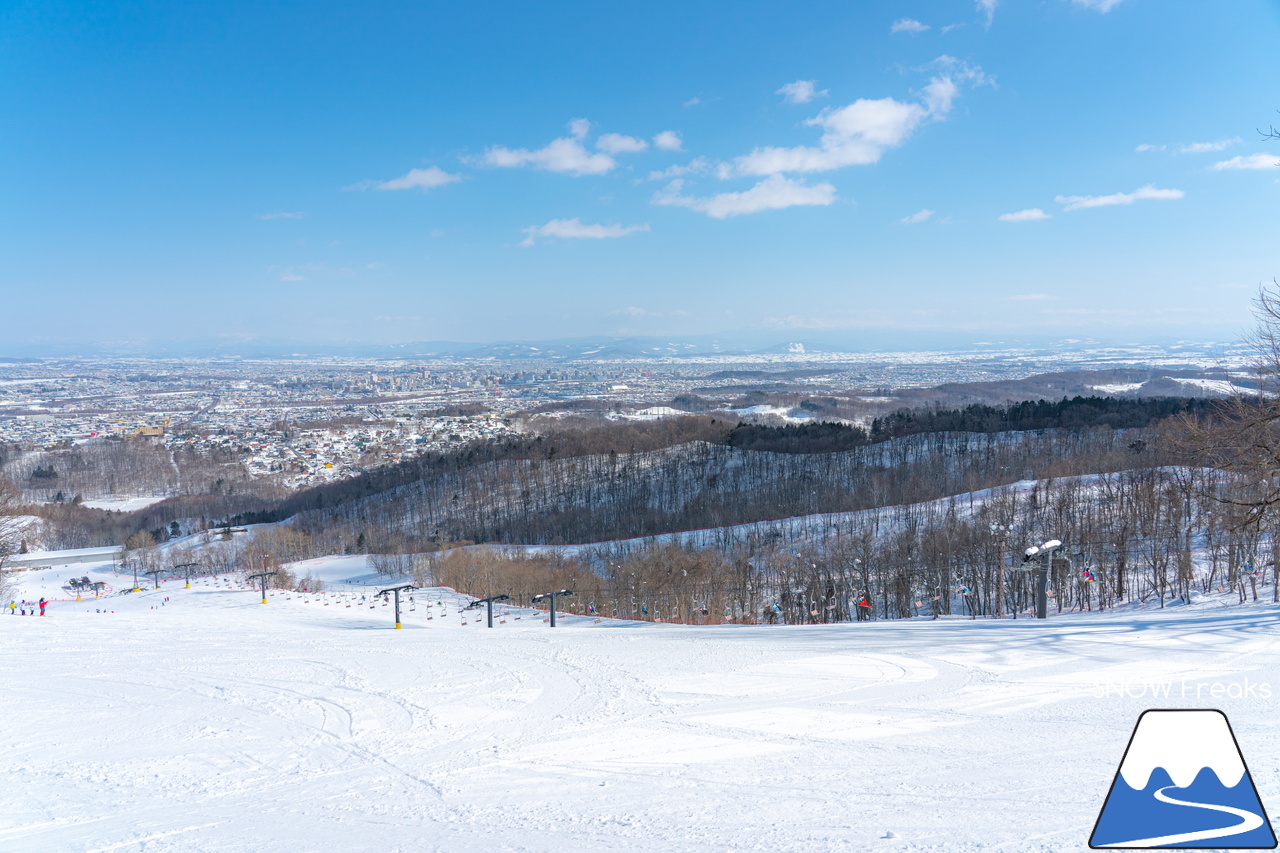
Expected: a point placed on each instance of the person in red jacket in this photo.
(42, 604)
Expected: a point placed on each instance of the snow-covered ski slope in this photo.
(215, 723)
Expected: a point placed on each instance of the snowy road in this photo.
(214, 723)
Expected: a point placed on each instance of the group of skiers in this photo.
(27, 608)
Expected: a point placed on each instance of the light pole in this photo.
(1042, 582)
(188, 567)
(397, 590)
(488, 602)
(263, 577)
(552, 597)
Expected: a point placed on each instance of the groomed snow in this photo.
(211, 722)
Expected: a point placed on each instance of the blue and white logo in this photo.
(1183, 784)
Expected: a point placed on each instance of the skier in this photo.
(12, 607)
(42, 605)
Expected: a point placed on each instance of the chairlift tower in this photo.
(155, 576)
(396, 590)
(263, 577)
(1042, 581)
(552, 597)
(188, 567)
(488, 602)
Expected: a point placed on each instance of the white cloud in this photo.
(1031, 214)
(916, 218)
(1103, 6)
(1031, 297)
(616, 143)
(636, 313)
(423, 179)
(1082, 202)
(696, 166)
(907, 25)
(1146, 146)
(987, 8)
(575, 229)
(668, 140)
(800, 92)
(1248, 161)
(773, 193)
(281, 215)
(858, 134)
(1208, 147)
(692, 102)
(565, 155)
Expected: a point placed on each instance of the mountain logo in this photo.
(1183, 784)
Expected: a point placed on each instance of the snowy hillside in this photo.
(201, 720)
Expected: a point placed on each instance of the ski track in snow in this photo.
(214, 723)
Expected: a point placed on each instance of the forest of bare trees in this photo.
(1155, 536)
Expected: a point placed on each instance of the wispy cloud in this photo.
(281, 215)
(696, 166)
(636, 313)
(1031, 214)
(773, 193)
(422, 179)
(616, 143)
(907, 25)
(692, 102)
(565, 155)
(1030, 297)
(987, 9)
(668, 140)
(300, 272)
(1083, 202)
(800, 92)
(1209, 147)
(916, 218)
(1103, 6)
(575, 229)
(1191, 147)
(1248, 161)
(859, 133)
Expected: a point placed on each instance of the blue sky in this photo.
(387, 172)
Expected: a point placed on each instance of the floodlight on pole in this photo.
(397, 590)
(188, 567)
(552, 597)
(1035, 552)
(489, 604)
(263, 577)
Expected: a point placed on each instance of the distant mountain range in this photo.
(727, 344)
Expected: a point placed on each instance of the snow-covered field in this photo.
(209, 722)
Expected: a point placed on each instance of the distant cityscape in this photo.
(316, 419)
